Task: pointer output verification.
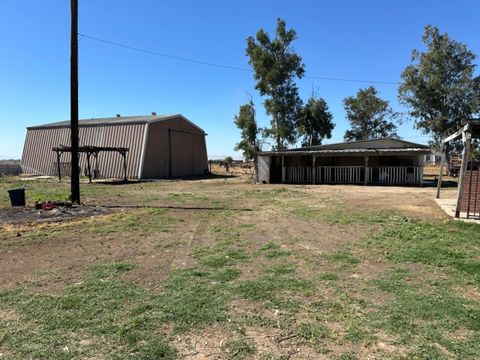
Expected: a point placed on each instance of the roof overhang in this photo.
(129, 120)
(384, 152)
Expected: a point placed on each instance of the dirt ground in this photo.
(181, 217)
(62, 258)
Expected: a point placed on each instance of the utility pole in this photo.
(75, 173)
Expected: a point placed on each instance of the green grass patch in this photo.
(452, 244)
(313, 333)
(120, 320)
(341, 257)
(426, 314)
(273, 250)
(276, 290)
(139, 221)
(280, 269)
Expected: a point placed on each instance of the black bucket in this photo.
(17, 197)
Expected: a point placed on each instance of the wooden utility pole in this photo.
(75, 173)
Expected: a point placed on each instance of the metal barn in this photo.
(378, 161)
(159, 146)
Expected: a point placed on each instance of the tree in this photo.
(276, 66)
(315, 122)
(370, 116)
(439, 86)
(247, 124)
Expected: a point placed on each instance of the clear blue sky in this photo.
(369, 39)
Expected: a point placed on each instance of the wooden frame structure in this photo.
(469, 129)
(89, 151)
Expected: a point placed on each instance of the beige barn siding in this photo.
(177, 123)
(111, 163)
(182, 154)
(189, 154)
(38, 157)
(200, 159)
(155, 162)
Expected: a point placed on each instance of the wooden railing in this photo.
(392, 175)
(340, 174)
(396, 175)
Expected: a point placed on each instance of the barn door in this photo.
(181, 155)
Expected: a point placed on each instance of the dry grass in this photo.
(222, 269)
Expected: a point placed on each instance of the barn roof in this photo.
(382, 145)
(117, 120)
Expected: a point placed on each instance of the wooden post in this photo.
(124, 153)
(283, 169)
(58, 166)
(442, 164)
(89, 169)
(75, 173)
(470, 192)
(96, 170)
(366, 170)
(463, 170)
(314, 170)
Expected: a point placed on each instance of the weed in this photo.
(239, 349)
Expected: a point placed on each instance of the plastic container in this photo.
(17, 197)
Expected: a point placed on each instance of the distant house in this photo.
(159, 146)
(432, 159)
(379, 161)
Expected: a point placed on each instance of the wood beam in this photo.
(442, 164)
(463, 170)
(456, 134)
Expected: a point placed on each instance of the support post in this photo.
(124, 153)
(283, 169)
(442, 164)
(366, 170)
(89, 169)
(58, 166)
(96, 170)
(314, 171)
(463, 171)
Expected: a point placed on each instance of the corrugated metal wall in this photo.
(155, 162)
(188, 147)
(38, 157)
(189, 154)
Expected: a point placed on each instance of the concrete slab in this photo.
(448, 206)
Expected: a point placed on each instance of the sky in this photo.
(351, 39)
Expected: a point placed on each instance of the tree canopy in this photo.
(315, 122)
(247, 124)
(439, 85)
(370, 117)
(276, 66)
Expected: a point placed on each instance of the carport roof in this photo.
(381, 146)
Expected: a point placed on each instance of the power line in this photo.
(223, 66)
(151, 52)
